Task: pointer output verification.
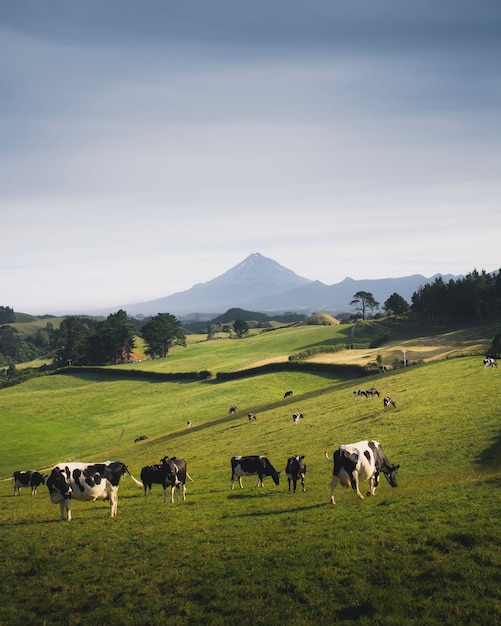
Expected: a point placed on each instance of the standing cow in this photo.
(356, 462)
(31, 478)
(250, 466)
(295, 471)
(171, 473)
(86, 482)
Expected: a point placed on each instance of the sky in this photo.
(149, 146)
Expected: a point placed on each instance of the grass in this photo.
(427, 552)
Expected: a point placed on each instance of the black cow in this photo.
(388, 403)
(372, 392)
(295, 470)
(141, 438)
(170, 472)
(30, 479)
(250, 466)
(232, 409)
(364, 460)
(288, 394)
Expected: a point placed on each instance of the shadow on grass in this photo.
(491, 456)
(297, 509)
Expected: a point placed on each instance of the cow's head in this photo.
(59, 483)
(391, 474)
(171, 469)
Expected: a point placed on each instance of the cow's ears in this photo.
(395, 467)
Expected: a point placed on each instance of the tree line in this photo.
(83, 340)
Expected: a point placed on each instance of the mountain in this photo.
(254, 278)
(261, 284)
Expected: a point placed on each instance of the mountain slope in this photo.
(261, 284)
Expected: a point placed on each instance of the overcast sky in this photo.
(146, 146)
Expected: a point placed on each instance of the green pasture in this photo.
(427, 552)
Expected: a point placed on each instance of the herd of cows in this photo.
(352, 464)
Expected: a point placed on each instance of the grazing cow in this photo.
(295, 470)
(382, 369)
(296, 417)
(87, 482)
(358, 393)
(372, 392)
(170, 472)
(356, 462)
(233, 409)
(188, 423)
(388, 403)
(141, 438)
(252, 417)
(250, 466)
(30, 479)
(490, 362)
(288, 394)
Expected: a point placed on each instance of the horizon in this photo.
(146, 154)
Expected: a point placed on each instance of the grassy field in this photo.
(427, 552)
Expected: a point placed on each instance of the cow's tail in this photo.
(189, 477)
(327, 457)
(138, 482)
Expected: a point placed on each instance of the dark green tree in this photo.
(396, 305)
(364, 302)
(161, 333)
(10, 342)
(240, 327)
(117, 334)
(71, 342)
(7, 315)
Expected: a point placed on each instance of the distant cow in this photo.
(141, 438)
(170, 473)
(252, 417)
(30, 479)
(232, 409)
(296, 470)
(87, 482)
(288, 394)
(372, 392)
(490, 362)
(250, 466)
(388, 403)
(296, 417)
(359, 392)
(356, 462)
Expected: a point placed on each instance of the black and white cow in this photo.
(372, 392)
(252, 417)
(31, 479)
(288, 394)
(356, 462)
(388, 403)
(170, 473)
(490, 361)
(358, 393)
(233, 409)
(296, 417)
(250, 466)
(86, 482)
(296, 470)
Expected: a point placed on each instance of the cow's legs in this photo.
(113, 503)
(333, 486)
(355, 485)
(65, 504)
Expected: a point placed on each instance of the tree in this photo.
(117, 337)
(364, 301)
(7, 315)
(71, 341)
(161, 333)
(240, 327)
(396, 305)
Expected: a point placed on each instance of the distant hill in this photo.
(261, 284)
